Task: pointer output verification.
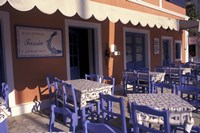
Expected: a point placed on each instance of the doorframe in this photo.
(147, 44)
(7, 55)
(97, 43)
(170, 45)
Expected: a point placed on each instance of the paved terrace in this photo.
(37, 122)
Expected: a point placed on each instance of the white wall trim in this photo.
(7, 53)
(30, 107)
(147, 43)
(159, 8)
(186, 49)
(98, 43)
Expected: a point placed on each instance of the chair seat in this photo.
(97, 127)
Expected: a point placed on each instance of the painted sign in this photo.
(38, 42)
(156, 46)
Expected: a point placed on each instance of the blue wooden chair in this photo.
(174, 74)
(163, 87)
(107, 80)
(188, 79)
(66, 97)
(192, 95)
(160, 69)
(195, 129)
(129, 79)
(139, 126)
(93, 77)
(143, 81)
(4, 126)
(97, 127)
(66, 113)
(51, 83)
(109, 115)
(5, 93)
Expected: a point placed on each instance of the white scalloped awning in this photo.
(87, 8)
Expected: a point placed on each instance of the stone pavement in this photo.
(38, 122)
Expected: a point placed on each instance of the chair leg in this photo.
(98, 111)
(83, 117)
(74, 123)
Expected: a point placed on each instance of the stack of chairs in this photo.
(66, 105)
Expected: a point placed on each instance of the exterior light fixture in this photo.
(112, 51)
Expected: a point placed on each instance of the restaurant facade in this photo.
(70, 38)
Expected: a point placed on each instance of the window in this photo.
(178, 50)
(178, 2)
(192, 50)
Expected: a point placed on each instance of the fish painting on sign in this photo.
(52, 49)
(38, 42)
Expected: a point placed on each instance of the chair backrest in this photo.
(66, 113)
(93, 77)
(65, 95)
(188, 79)
(97, 127)
(163, 87)
(109, 80)
(160, 69)
(174, 73)
(195, 129)
(5, 93)
(109, 114)
(145, 110)
(143, 79)
(51, 83)
(190, 90)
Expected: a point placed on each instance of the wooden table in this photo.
(180, 111)
(87, 90)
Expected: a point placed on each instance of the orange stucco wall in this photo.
(137, 7)
(30, 73)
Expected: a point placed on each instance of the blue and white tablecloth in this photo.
(87, 90)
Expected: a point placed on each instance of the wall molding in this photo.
(158, 8)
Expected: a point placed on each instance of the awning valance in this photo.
(87, 8)
(189, 24)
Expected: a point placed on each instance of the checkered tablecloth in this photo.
(183, 70)
(155, 76)
(180, 111)
(87, 90)
(4, 113)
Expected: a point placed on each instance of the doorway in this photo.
(135, 50)
(167, 51)
(2, 79)
(81, 52)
